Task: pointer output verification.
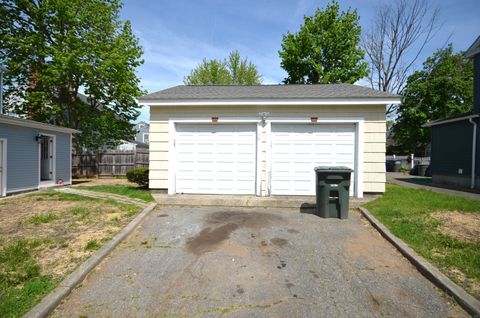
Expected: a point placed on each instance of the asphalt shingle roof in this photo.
(316, 91)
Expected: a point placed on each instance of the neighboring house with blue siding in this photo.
(455, 154)
(33, 155)
(142, 140)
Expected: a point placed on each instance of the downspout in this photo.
(474, 152)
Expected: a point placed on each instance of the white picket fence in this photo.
(406, 164)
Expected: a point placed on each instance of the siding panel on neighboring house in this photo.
(374, 138)
(452, 152)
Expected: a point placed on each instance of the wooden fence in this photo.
(108, 163)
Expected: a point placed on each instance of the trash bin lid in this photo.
(332, 169)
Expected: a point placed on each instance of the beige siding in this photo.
(374, 137)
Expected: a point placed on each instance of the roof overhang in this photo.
(473, 50)
(268, 102)
(451, 120)
(33, 124)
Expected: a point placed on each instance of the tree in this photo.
(443, 88)
(234, 71)
(52, 49)
(396, 39)
(325, 49)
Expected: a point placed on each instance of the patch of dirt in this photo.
(105, 181)
(467, 283)
(220, 226)
(59, 244)
(460, 225)
(368, 247)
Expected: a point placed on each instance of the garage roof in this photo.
(313, 91)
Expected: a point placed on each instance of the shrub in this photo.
(138, 176)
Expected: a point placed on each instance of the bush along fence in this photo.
(109, 163)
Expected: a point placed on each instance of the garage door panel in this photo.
(298, 148)
(215, 159)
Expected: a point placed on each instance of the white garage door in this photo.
(215, 159)
(298, 148)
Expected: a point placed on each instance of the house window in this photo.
(145, 138)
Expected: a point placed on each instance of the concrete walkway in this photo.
(406, 181)
(103, 195)
(300, 203)
(262, 262)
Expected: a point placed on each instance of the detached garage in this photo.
(265, 139)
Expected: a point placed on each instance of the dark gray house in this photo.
(33, 155)
(455, 158)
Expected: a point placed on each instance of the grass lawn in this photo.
(44, 236)
(442, 228)
(122, 189)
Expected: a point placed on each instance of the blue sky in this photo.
(177, 34)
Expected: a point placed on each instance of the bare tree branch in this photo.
(395, 41)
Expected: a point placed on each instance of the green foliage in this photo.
(92, 245)
(17, 264)
(21, 284)
(407, 212)
(43, 218)
(138, 176)
(128, 191)
(443, 88)
(81, 211)
(234, 71)
(53, 48)
(325, 49)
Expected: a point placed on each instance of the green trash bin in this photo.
(332, 185)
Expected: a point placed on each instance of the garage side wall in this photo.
(374, 135)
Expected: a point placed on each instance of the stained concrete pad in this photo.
(240, 262)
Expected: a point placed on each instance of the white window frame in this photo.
(143, 137)
(3, 190)
(54, 163)
(208, 120)
(359, 144)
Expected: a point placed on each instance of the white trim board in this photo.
(54, 157)
(269, 102)
(451, 120)
(33, 124)
(3, 190)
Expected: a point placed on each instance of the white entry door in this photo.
(298, 148)
(215, 158)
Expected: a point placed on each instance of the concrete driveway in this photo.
(210, 262)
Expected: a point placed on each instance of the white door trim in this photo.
(359, 144)
(54, 161)
(3, 190)
(205, 120)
